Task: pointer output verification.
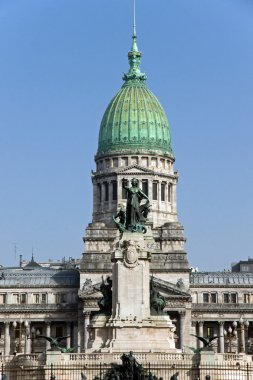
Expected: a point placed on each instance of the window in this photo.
(107, 163)
(169, 192)
(144, 161)
(23, 298)
(230, 297)
(244, 268)
(205, 297)
(124, 161)
(15, 298)
(153, 161)
(2, 299)
(134, 160)
(106, 189)
(213, 298)
(145, 186)
(43, 298)
(155, 191)
(163, 163)
(114, 191)
(162, 191)
(115, 162)
(36, 298)
(57, 298)
(124, 192)
(99, 192)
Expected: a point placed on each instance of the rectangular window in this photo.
(155, 191)
(244, 268)
(169, 192)
(124, 161)
(2, 299)
(23, 298)
(15, 298)
(225, 298)
(162, 192)
(205, 297)
(99, 192)
(233, 297)
(145, 186)
(213, 298)
(115, 162)
(124, 192)
(43, 298)
(57, 298)
(114, 191)
(36, 298)
(106, 193)
(63, 298)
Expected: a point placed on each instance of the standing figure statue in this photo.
(136, 213)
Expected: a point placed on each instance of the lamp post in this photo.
(20, 328)
(231, 334)
(32, 335)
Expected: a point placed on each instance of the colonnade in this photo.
(232, 336)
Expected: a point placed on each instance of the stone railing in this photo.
(222, 306)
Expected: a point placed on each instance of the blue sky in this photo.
(61, 63)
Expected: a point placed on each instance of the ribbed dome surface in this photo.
(134, 120)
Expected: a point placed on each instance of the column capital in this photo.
(221, 323)
(86, 313)
(200, 323)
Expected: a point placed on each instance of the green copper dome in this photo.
(134, 120)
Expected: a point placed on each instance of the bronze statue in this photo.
(54, 342)
(157, 301)
(136, 213)
(120, 219)
(105, 303)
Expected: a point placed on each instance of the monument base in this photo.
(154, 334)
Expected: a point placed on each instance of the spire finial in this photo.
(134, 56)
(134, 46)
(134, 34)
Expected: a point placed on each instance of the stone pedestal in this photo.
(131, 327)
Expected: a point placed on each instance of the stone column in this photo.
(86, 323)
(48, 333)
(221, 337)
(27, 348)
(68, 334)
(7, 338)
(182, 329)
(201, 331)
(242, 338)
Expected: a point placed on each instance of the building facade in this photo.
(134, 141)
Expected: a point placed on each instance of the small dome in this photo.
(134, 120)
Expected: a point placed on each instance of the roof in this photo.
(38, 277)
(134, 120)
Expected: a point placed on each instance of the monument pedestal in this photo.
(131, 327)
